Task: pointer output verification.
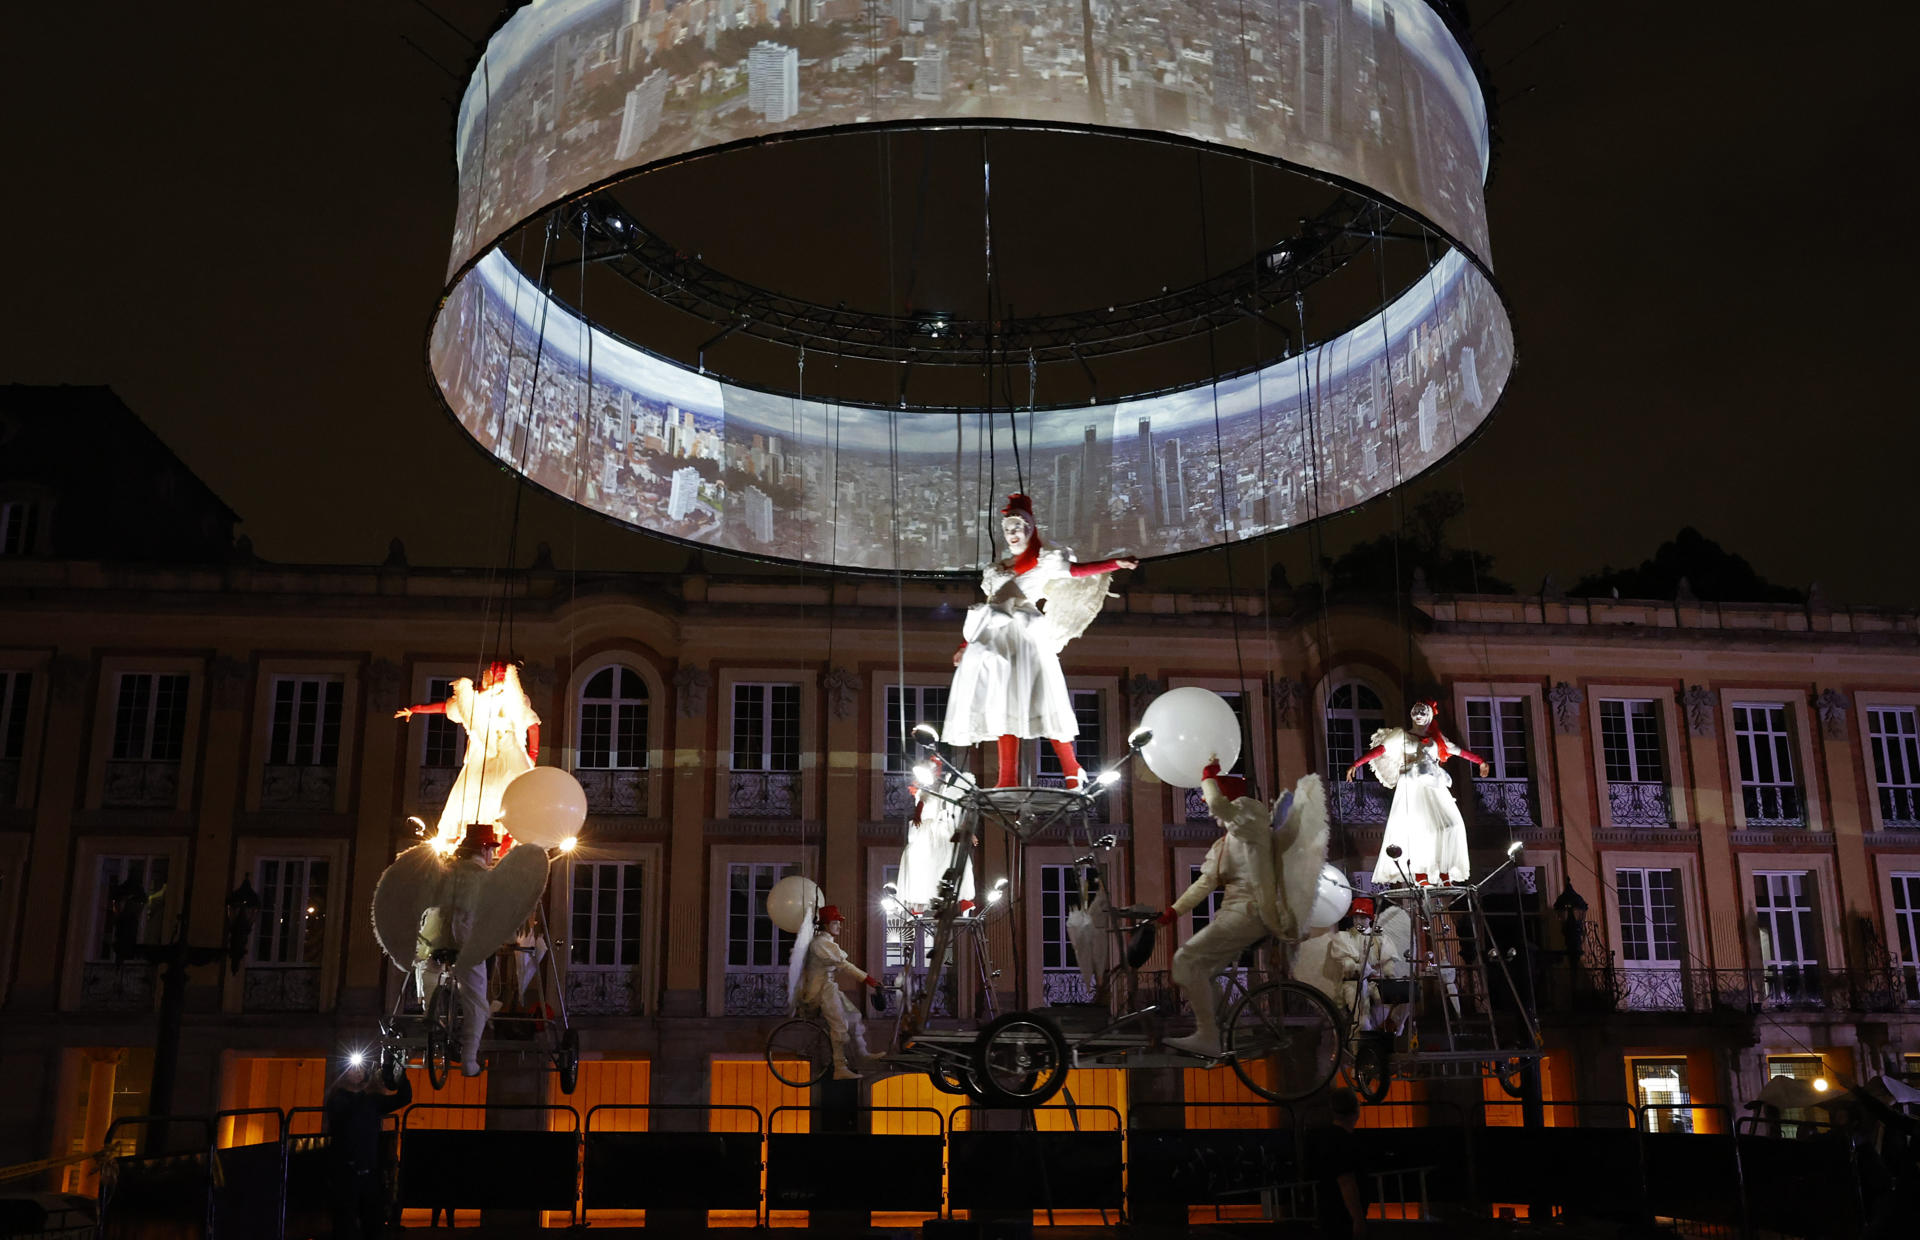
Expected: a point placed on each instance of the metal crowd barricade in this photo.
(1033, 1170)
(684, 1170)
(247, 1193)
(1677, 1168)
(461, 1167)
(142, 1193)
(1173, 1168)
(809, 1171)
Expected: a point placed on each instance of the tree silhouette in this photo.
(1710, 571)
(1419, 546)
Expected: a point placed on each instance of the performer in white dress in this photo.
(503, 742)
(1424, 820)
(818, 992)
(929, 850)
(1007, 682)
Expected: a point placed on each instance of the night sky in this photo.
(237, 215)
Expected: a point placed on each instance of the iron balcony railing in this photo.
(281, 988)
(1360, 801)
(1639, 804)
(1065, 986)
(755, 992)
(1508, 801)
(944, 1003)
(895, 801)
(297, 787)
(609, 991)
(142, 784)
(1899, 805)
(763, 794)
(1772, 805)
(109, 987)
(1196, 803)
(1626, 988)
(615, 791)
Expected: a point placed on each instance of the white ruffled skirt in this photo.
(1009, 681)
(1426, 824)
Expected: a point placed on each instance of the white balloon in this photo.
(543, 806)
(1332, 899)
(792, 901)
(1189, 725)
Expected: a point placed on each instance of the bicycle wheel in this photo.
(1020, 1060)
(1513, 1076)
(799, 1053)
(1370, 1072)
(439, 1054)
(1284, 1040)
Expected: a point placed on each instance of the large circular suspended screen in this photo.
(575, 104)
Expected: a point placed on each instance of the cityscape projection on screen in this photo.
(571, 93)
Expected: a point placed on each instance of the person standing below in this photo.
(353, 1107)
(1335, 1164)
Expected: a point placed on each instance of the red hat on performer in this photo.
(1232, 787)
(1019, 505)
(495, 673)
(830, 914)
(479, 835)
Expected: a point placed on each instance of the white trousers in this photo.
(1234, 928)
(844, 1024)
(472, 997)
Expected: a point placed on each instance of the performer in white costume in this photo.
(1267, 878)
(503, 742)
(929, 850)
(1332, 963)
(1007, 682)
(448, 922)
(1424, 820)
(819, 992)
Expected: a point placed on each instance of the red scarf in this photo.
(1432, 733)
(1028, 558)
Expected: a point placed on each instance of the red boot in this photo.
(1009, 762)
(1069, 763)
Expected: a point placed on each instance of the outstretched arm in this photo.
(429, 708)
(1485, 766)
(1354, 770)
(533, 743)
(1096, 567)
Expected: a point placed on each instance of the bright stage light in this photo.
(923, 774)
(570, 843)
(1820, 1084)
(356, 1059)
(1108, 778)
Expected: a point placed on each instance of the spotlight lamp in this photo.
(926, 734)
(924, 774)
(1514, 849)
(1108, 778)
(1139, 739)
(570, 843)
(1820, 1085)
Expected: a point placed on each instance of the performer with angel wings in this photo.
(1007, 682)
(1424, 820)
(503, 742)
(1267, 868)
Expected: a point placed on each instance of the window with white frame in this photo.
(17, 523)
(1650, 929)
(137, 880)
(15, 689)
(1497, 731)
(292, 929)
(1354, 714)
(1783, 907)
(150, 717)
(306, 721)
(1063, 888)
(1630, 740)
(1660, 1086)
(766, 727)
(1087, 746)
(613, 721)
(1765, 746)
(607, 914)
(922, 704)
(1896, 763)
(1906, 931)
(445, 741)
(753, 941)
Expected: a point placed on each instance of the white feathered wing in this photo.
(1299, 851)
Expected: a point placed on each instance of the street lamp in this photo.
(129, 905)
(1572, 910)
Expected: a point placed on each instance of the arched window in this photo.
(613, 721)
(1354, 714)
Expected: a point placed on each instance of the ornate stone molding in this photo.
(690, 686)
(1566, 702)
(1832, 706)
(539, 676)
(1290, 702)
(1140, 690)
(1699, 704)
(842, 688)
(229, 677)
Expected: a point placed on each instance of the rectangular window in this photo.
(1906, 931)
(1497, 731)
(1789, 935)
(753, 941)
(293, 910)
(924, 704)
(766, 727)
(139, 881)
(1765, 747)
(1896, 763)
(1799, 1068)
(306, 721)
(15, 689)
(1649, 917)
(16, 528)
(1660, 1085)
(1087, 746)
(446, 741)
(1062, 890)
(607, 904)
(150, 717)
(1630, 738)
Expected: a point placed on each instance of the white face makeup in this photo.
(1422, 715)
(1017, 533)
